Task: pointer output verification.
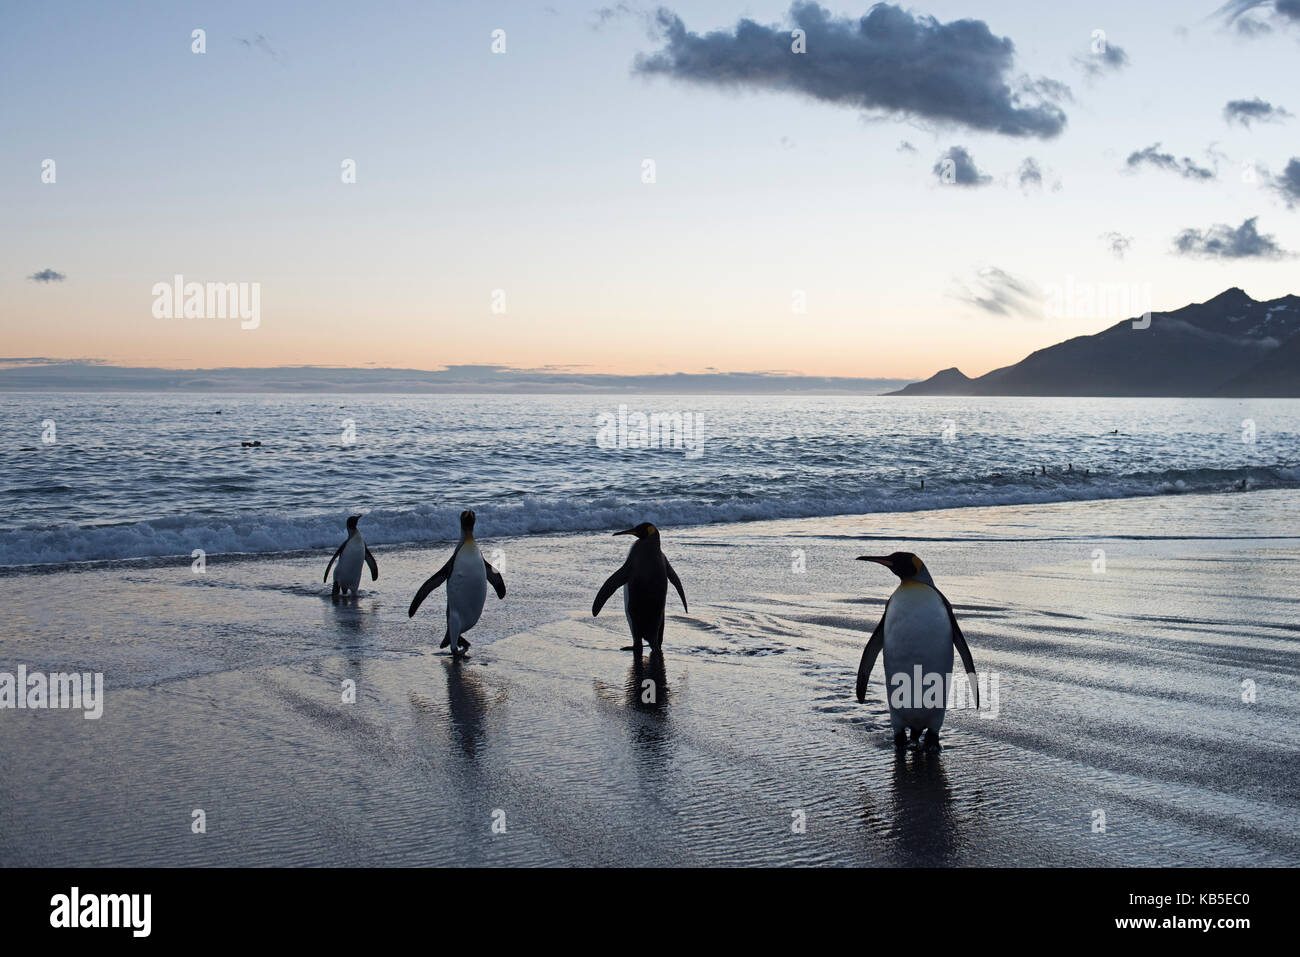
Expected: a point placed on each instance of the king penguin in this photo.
(466, 573)
(644, 579)
(350, 556)
(917, 633)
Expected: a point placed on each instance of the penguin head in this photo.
(644, 530)
(352, 522)
(903, 564)
(467, 522)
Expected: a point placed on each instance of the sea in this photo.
(108, 477)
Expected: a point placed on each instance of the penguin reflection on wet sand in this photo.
(644, 578)
(917, 632)
(467, 574)
(350, 556)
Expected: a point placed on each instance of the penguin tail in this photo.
(446, 640)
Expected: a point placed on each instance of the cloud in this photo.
(260, 42)
(1030, 174)
(957, 168)
(906, 147)
(1110, 57)
(1221, 241)
(47, 275)
(1257, 110)
(999, 293)
(1185, 167)
(1250, 27)
(92, 375)
(887, 60)
(1119, 243)
(605, 15)
(1235, 14)
(1288, 184)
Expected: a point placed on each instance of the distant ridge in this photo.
(1230, 346)
(56, 375)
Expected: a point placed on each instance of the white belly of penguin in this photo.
(466, 590)
(348, 571)
(918, 657)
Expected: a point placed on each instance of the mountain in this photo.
(948, 382)
(1230, 345)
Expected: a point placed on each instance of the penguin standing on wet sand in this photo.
(466, 573)
(350, 556)
(644, 579)
(917, 633)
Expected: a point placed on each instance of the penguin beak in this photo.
(627, 531)
(873, 558)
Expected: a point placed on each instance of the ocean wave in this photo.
(257, 533)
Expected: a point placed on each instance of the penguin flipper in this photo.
(959, 640)
(677, 582)
(612, 584)
(494, 578)
(438, 578)
(326, 576)
(869, 654)
(374, 567)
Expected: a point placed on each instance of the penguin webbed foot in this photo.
(900, 738)
(931, 744)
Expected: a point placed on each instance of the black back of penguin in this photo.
(644, 576)
(647, 582)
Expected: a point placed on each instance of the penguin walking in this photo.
(644, 579)
(467, 574)
(917, 633)
(350, 556)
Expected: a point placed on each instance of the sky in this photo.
(862, 208)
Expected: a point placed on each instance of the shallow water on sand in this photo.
(1118, 691)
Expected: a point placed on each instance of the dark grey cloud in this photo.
(1119, 243)
(1110, 58)
(1239, 14)
(1030, 174)
(887, 60)
(1288, 184)
(1254, 110)
(47, 275)
(1185, 167)
(906, 147)
(957, 167)
(999, 293)
(1222, 241)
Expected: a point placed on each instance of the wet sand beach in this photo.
(1118, 691)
